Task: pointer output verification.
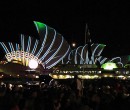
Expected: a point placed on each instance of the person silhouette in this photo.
(77, 86)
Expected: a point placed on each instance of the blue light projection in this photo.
(80, 56)
(52, 48)
(48, 51)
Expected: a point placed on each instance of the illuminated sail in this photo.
(49, 50)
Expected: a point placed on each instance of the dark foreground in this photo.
(96, 95)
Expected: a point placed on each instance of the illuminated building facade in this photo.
(78, 62)
(80, 56)
(51, 49)
(48, 51)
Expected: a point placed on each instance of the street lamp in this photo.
(73, 44)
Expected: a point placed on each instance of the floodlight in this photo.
(33, 64)
(109, 66)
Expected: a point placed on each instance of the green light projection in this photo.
(39, 25)
(109, 66)
(102, 45)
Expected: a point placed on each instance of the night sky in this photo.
(108, 22)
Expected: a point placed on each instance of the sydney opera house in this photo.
(54, 56)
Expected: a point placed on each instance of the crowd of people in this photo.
(71, 94)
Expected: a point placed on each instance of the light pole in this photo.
(87, 34)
